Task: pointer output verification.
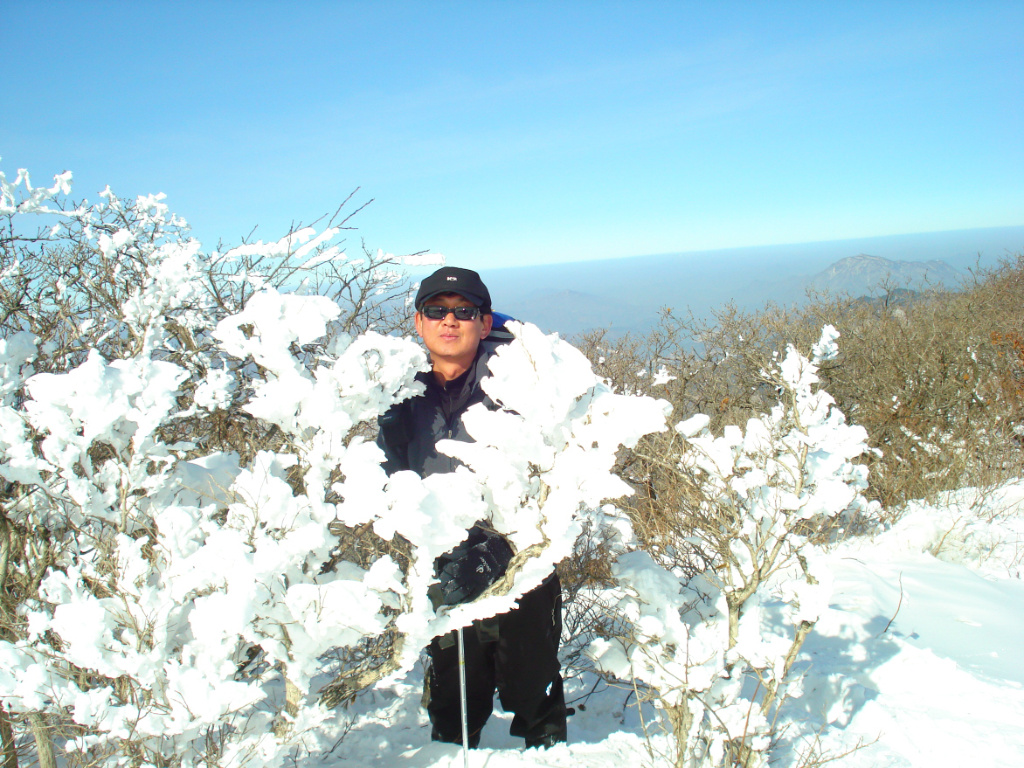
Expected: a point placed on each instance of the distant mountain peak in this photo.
(860, 263)
(866, 274)
(625, 294)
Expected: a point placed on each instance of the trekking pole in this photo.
(462, 699)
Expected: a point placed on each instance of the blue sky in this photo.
(511, 133)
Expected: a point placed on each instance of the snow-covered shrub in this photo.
(935, 376)
(697, 638)
(175, 594)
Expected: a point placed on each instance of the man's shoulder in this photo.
(498, 338)
(481, 365)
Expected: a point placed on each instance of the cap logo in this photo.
(452, 279)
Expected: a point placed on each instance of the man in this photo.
(515, 653)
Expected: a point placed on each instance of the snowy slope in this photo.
(944, 684)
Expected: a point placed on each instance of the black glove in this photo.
(473, 566)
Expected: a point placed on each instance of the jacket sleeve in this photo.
(389, 459)
(392, 438)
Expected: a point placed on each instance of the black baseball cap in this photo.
(464, 282)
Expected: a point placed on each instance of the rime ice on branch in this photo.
(191, 440)
(698, 642)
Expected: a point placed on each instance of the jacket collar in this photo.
(456, 393)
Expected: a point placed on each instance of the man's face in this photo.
(450, 340)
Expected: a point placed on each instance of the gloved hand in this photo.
(473, 566)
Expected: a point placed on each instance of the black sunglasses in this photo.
(435, 312)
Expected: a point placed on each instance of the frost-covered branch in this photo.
(182, 445)
(752, 497)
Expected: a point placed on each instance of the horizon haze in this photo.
(626, 294)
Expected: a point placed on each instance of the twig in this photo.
(898, 606)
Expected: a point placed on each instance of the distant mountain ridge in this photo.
(625, 295)
(865, 275)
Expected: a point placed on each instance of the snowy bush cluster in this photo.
(186, 461)
(696, 635)
(168, 601)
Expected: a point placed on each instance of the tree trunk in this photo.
(681, 719)
(10, 752)
(43, 744)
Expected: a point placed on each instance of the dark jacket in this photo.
(410, 430)
(515, 652)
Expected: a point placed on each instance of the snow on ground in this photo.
(943, 683)
(918, 662)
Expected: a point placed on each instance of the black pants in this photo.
(521, 662)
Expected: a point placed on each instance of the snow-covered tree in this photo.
(176, 594)
(692, 610)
